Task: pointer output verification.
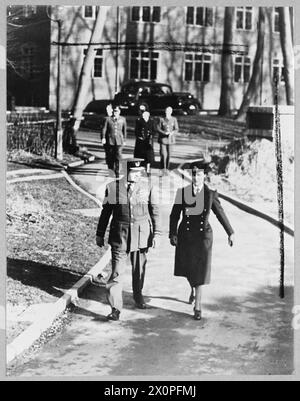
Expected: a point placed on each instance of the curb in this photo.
(34, 178)
(28, 171)
(74, 164)
(33, 333)
(246, 208)
(79, 189)
(249, 209)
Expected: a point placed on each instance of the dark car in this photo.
(156, 97)
(94, 113)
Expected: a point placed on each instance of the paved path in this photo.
(246, 327)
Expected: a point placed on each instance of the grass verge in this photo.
(49, 246)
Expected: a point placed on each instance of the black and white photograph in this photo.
(150, 192)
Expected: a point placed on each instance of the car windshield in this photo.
(161, 90)
(156, 90)
(130, 89)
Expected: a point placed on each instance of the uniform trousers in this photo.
(115, 284)
(113, 156)
(165, 156)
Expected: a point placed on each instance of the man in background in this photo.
(113, 137)
(167, 129)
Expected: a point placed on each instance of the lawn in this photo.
(49, 246)
(20, 159)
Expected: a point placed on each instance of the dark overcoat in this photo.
(135, 216)
(195, 235)
(145, 132)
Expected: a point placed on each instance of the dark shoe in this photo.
(140, 302)
(198, 315)
(140, 305)
(115, 315)
(99, 280)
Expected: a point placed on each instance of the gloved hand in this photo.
(174, 240)
(100, 241)
(231, 240)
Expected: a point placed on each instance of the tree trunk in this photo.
(84, 80)
(227, 67)
(255, 81)
(288, 53)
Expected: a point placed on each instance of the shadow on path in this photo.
(249, 334)
(45, 277)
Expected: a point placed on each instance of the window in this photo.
(146, 14)
(276, 20)
(201, 16)
(98, 63)
(28, 60)
(89, 12)
(242, 70)
(156, 14)
(135, 15)
(244, 18)
(144, 65)
(29, 11)
(278, 69)
(190, 15)
(197, 67)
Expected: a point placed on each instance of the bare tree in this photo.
(286, 39)
(227, 67)
(254, 84)
(85, 75)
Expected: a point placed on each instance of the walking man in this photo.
(145, 130)
(113, 136)
(167, 129)
(135, 227)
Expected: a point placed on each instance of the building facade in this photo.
(181, 46)
(28, 56)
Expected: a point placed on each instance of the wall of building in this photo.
(28, 52)
(171, 66)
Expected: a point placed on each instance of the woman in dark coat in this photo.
(194, 237)
(145, 130)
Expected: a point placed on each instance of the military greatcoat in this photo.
(135, 215)
(195, 235)
(145, 132)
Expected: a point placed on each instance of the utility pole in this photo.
(279, 170)
(59, 130)
(117, 51)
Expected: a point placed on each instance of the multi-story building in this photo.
(181, 46)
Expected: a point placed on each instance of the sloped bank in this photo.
(247, 169)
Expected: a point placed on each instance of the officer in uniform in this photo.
(167, 129)
(193, 238)
(145, 130)
(113, 137)
(135, 227)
